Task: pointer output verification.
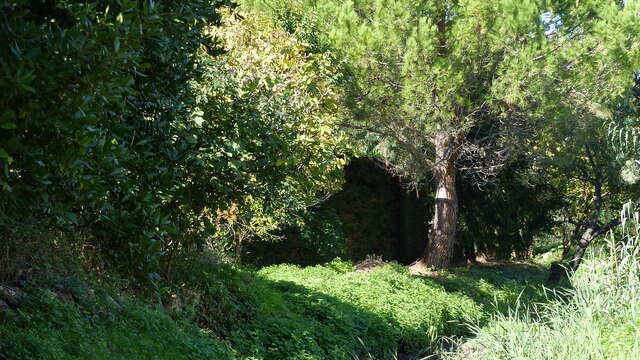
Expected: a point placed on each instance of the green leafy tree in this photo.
(624, 133)
(590, 160)
(267, 112)
(123, 123)
(96, 137)
(425, 73)
(593, 70)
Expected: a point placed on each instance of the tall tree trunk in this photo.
(442, 234)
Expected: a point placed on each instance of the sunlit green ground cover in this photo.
(279, 312)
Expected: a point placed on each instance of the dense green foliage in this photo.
(96, 133)
(441, 88)
(267, 109)
(125, 125)
(315, 237)
(96, 327)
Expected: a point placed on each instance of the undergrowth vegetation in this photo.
(218, 311)
(598, 317)
(418, 310)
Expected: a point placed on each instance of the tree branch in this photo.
(608, 226)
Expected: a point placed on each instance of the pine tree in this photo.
(425, 74)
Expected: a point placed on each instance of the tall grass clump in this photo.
(597, 318)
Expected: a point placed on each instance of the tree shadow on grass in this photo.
(313, 323)
(241, 314)
(497, 287)
(269, 319)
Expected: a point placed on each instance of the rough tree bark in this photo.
(442, 234)
(567, 243)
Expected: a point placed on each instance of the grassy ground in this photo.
(69, 320)
(597, 318)
(214, 311)
(279, 312)
(496, 287)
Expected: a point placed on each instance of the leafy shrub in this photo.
(96, 134)
(268, 110)
(121, 121)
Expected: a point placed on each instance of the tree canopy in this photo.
(424, 76)
(146, 128)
